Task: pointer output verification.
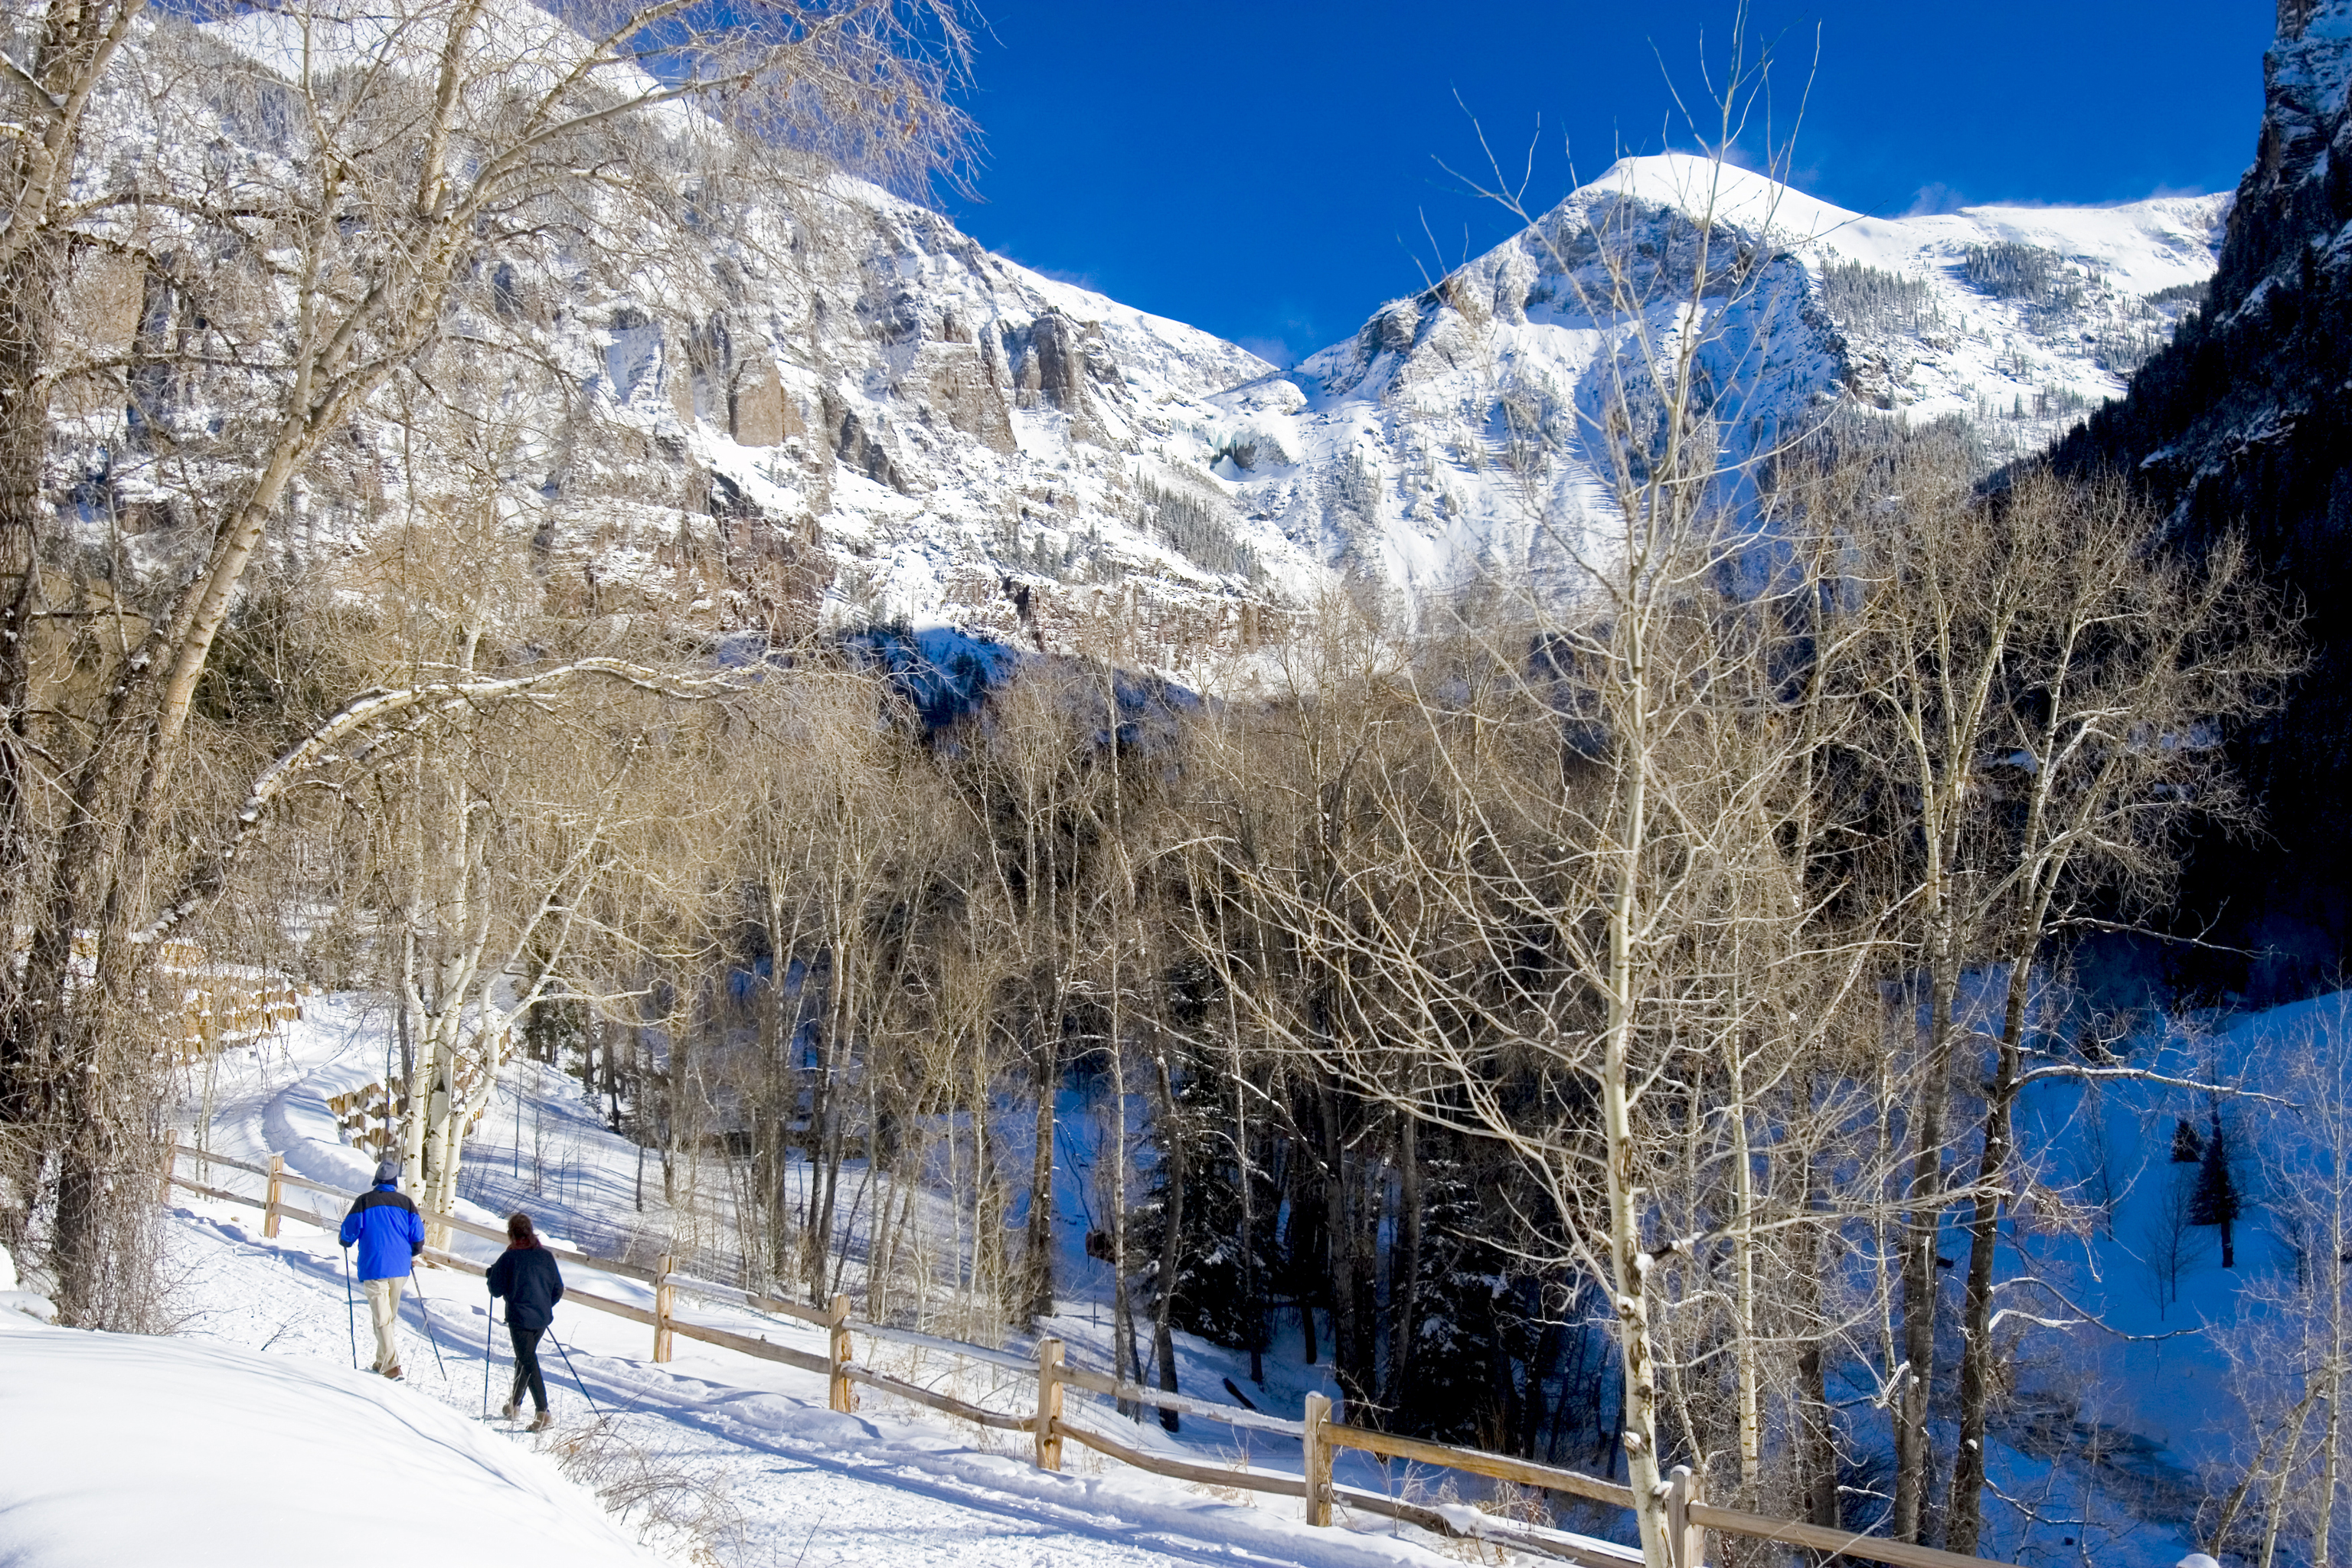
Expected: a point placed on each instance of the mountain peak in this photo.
(2299, 19)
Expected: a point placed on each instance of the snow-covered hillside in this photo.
(117, 1448)
(2137, 1396)
(742, 1452)
(833, 398)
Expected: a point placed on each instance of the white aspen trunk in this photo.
(2331, 1460)
(1743, 1255)
(420, 1060)
(983, 1317)
(436, 1143)
(463, 1108)
(2280, 1484)
(1629, 1264)
(2339, 1344)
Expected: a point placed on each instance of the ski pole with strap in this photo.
(575, 1370)
(351, 1311)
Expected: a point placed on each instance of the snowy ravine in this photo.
(779, 1478)
(846, 403)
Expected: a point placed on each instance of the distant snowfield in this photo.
(118, 1449)
(2143, 246)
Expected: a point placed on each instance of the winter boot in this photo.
(541, 1422)
(393, 1372)
(507, 1411)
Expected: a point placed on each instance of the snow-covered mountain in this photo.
(843, 399)
(975, 443)
(1389, 453)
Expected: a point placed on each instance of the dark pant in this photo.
(526, 1353)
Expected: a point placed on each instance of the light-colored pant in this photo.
(384, 1310)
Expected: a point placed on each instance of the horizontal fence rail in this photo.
(1689, 1516)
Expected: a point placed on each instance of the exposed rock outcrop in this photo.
(2245, 423)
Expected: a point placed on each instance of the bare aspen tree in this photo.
(2051, 691)
(822, 719)
(1028, 785)
(335, 265)
(2290, 1357)
(1618, 858)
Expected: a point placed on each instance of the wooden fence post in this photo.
(1316, 1451)
(171, 1165)
(664, 1301)
(836, 1350)
(1049, 1404)
(269, 1199)
(1684, 1540)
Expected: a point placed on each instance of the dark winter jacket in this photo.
(526, 1276)
(389, 1233)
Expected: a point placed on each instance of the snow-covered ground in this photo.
(119, 1449)
(2128, 1404)
(776, 1476)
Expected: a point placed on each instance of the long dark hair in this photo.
(518, 1231)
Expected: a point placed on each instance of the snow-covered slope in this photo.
(2132, 1399)
(838, 403)
(1388, 453)
(119, 1448)
(776, 1476)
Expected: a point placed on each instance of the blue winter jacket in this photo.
(385, 1225)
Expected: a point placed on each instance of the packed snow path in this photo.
(804, 1483)
(782, 1478)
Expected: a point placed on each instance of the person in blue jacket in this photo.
(525, 1274)
(390, 1234)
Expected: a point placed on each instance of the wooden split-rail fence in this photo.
(1689, 1516)
(207, 1006)
(370, 1115)
(221, 1009)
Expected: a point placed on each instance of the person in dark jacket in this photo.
(390, 1234)
(525, 1274)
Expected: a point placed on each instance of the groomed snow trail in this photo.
(800, 1486)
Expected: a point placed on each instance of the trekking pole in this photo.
(575, 1372)
(351, 1311)
(490, 1323)
(425, 1310)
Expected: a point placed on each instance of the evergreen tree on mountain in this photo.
(2215, 1201)
(2188, 1143)
(1453, 1392)
(1220, 1286)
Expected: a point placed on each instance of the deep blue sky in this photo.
(1262, 168)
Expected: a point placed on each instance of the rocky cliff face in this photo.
(2245, 423)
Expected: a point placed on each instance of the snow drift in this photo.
(119, 1449)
